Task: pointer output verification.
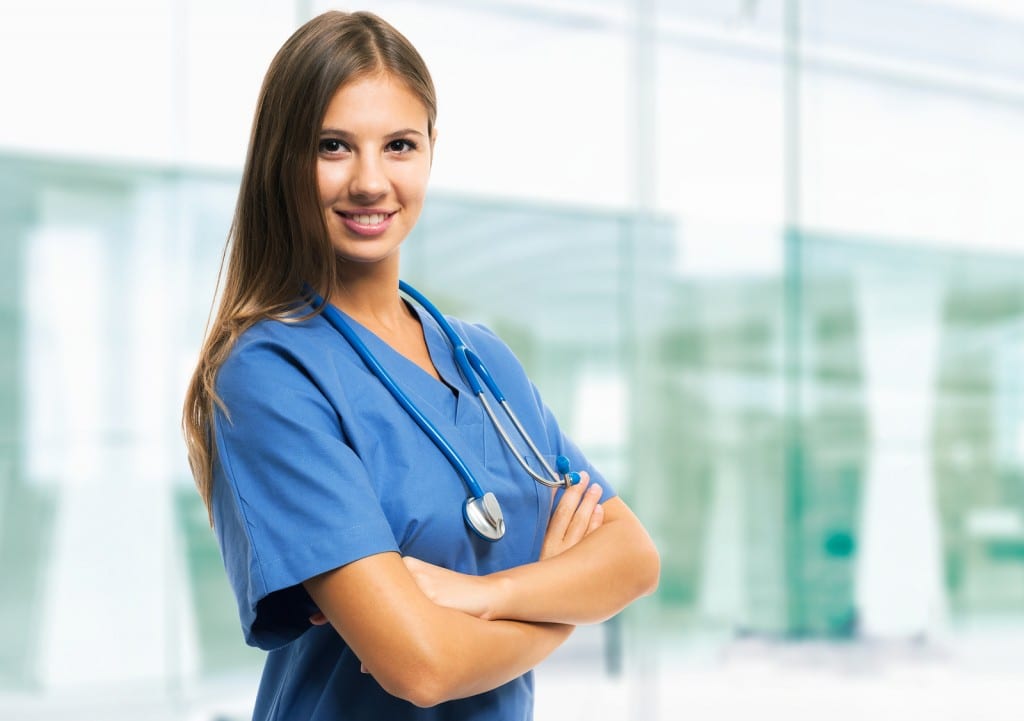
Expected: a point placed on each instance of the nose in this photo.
(369, 179)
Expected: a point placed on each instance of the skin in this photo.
(577, 580)
(427, 634)
(375, 153)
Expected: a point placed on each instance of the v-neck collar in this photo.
(450, 397)
(468, 409)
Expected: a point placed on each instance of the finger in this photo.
(596, 519)
(566, 508)
(362, 668)
(584, 514)
(318, 619)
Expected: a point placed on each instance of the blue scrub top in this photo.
(316, 466)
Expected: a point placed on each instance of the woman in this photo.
(340, 522)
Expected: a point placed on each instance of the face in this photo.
(373, 162)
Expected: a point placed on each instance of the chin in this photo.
(346, 257)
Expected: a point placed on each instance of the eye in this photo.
(332, 146)
(401, 146)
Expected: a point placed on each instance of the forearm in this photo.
(588, 583)
(416, 649)
(470, 655)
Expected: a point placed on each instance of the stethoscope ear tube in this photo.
(481, 511)
(472, 367)
(481, 370)
(553, 481)
(334, 318)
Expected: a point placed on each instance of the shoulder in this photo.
(271, 351)
(274, 333)
(480, 338)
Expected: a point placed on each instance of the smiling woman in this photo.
(339, 520)
(373, 165)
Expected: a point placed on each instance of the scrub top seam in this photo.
(229, 473)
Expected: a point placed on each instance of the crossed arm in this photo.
(429, 635)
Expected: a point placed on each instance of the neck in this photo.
(369, 293)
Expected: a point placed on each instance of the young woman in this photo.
(356, 558)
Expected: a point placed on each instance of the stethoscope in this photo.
(481, 510)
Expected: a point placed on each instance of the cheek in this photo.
(326, 182)
(413, 182)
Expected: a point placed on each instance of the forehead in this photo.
(375, 102)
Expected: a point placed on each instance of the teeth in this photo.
(375, 219)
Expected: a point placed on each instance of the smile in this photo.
(367, 223)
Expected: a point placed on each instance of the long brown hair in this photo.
(278, 238)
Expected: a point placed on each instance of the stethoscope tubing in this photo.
(333, 317)
(481, 510)
(471, 366)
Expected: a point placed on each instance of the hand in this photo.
(578, 515)
(460, 591)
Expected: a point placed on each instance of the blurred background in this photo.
(764, 258)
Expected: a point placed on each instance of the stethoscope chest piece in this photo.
(484, 516)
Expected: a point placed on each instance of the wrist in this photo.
(499, 588)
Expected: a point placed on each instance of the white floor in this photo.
(975, 679)
(979, 680)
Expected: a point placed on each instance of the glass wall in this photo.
(765, 261)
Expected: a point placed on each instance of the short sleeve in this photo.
(291, 499)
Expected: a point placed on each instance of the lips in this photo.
(366, 222)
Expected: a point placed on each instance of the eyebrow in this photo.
(390, 136)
